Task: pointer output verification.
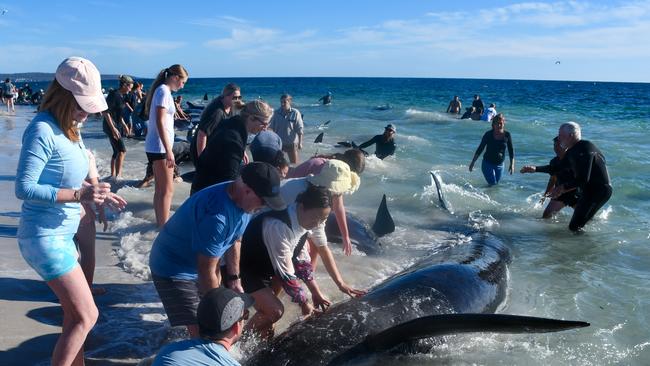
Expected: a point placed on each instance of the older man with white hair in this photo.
(589, 169)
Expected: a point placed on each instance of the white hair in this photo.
(572, 129)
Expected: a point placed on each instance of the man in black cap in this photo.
(220, 315)
(185, 256)
(385, 142)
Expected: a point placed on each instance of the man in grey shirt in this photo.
(287, 123)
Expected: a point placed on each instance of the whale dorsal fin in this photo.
(384, 223)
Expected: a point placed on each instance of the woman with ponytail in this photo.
(160, 136)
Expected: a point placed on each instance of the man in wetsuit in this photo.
(591, 178)
(385, 142)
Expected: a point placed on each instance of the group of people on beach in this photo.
(249, 230)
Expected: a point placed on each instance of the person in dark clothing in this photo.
(385, 142)
(468, 113)
(222, 157)
(115, 126)
(216, 111)
(478, 104)
(590, 176)
(495, 143)
(326, 99)
(560, 173)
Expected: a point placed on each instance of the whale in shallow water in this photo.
(362, 236)
(453, 291)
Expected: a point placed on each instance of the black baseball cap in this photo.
(220, 308)
(264, 180)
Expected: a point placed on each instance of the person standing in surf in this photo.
(115, 126)
(160, 136)
(455, 106)
(590, 175)
(495, 142)
(287, 123)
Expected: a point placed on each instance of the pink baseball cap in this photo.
(81, 78)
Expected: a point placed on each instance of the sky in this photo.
(592, 40)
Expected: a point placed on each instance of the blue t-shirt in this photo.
(48, 162)
(194, 352)
(207, 223)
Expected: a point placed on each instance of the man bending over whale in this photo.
(185, 256)
(590, 174)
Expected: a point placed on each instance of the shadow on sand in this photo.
(131, 323)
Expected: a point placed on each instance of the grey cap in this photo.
(220, 309)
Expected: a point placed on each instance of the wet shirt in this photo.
(207, 223)
(48, 162)
(495, 149)
(478, 104)
(383, 149)
(194, 352)
(223, 154)
(588, 165)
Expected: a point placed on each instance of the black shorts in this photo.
(151, 157)
(180, 298)
(255, 267)
(116, 144)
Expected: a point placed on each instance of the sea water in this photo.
(600, 276)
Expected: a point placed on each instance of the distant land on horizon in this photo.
(28, 77)
(32, 77)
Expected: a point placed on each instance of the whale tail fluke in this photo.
(436, 180)
(319, 138)
(384, 223)
(446, 324)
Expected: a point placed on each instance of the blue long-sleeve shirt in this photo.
(48, 162)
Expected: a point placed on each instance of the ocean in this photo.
(600, 276)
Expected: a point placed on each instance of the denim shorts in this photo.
(50, 256)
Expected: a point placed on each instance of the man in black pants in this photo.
(590, 175)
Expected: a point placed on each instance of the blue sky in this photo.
(594, 40)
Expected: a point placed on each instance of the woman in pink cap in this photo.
(50, 180)
(160, 136)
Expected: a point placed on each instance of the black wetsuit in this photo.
(223, 154)
(495, 150)
(563, 174)
(383, 149)
(591, 178)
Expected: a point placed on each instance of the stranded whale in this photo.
(463, 280)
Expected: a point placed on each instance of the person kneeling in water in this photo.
(272, 251)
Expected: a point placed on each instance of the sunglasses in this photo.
(261, 121)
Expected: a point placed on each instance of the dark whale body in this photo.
(468, 278)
